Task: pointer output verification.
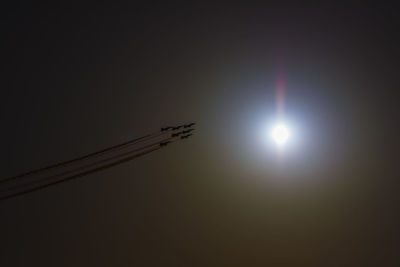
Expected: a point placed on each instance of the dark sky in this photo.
(78, 78)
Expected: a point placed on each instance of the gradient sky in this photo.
(78, 78)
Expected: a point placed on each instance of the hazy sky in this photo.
(77, 78)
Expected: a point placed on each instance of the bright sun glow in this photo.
(280, 134)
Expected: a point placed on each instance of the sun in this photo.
(280, 134)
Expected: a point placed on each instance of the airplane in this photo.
(189, 125)
(165, 143)
(166, 128)
(187, 131)
(185, 136)
(176, 134)
(177, 127)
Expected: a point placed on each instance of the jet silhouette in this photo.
(166, 128)
(176, 134)
(186, 136)
(177, 127)
(187, 131)
(189, 125)
(165, 143)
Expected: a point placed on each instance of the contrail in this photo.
(79, 174)
(80, 168)
(91, 155)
